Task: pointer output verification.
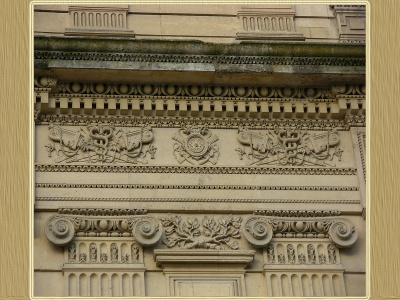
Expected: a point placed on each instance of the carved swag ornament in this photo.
(100, 144)
(209, 234)
(289, 147)
(195, 144)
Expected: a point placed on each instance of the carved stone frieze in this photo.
(216, 200)
(211, 123)
(289, 146)
(298, 213)
(182, 58)
(205, 92)
(260, 230)
(211, 233)
(196, 145)
(193, 169)
(100, 144)
(61, 229)
(196, 187)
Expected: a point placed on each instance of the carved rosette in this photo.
(61, 229)
(259, 230)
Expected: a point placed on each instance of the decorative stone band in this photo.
(200, 92)
(194, 169)
(212, 123)
(186, 200)
(259, 230)
(61, 229)
(210, 59)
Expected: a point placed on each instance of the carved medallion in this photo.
(197, 145)
(289, 147)
(100, 144)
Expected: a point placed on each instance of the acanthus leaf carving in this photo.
(100, 143)
(259, 230)
(289, 147)
(209, 234)
(196, 145)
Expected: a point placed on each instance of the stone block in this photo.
(64, 105)
(206, 108)
(112, 106)
(147, 107)
(241, 108)
(159, 107)
(229, 109)
(88, 106)
(194, 107)
(264, 109)
(217, 108)
(99, 106)
(76, 105)
(253, 109)
(182, 108)
(135, 107)
(123, 106)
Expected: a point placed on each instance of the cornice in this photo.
(98, 47)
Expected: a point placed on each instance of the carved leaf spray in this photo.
(100, 144)
(210, 234)
(289, 147)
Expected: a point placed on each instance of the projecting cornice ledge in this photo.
(126, 57)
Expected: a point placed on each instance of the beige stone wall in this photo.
(211, 23)
(168, 174)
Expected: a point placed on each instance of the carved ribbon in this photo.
(61, 229)
(259, 230)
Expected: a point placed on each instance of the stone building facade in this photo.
(189, 150)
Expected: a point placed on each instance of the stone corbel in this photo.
(62, 228)
(259, 230)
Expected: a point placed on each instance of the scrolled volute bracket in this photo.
(61, 229)
(259, 230)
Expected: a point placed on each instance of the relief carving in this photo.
(61, 229)
(196, 145)
(210, 234)
(100, 144)
(260, 230)
(289, 147)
